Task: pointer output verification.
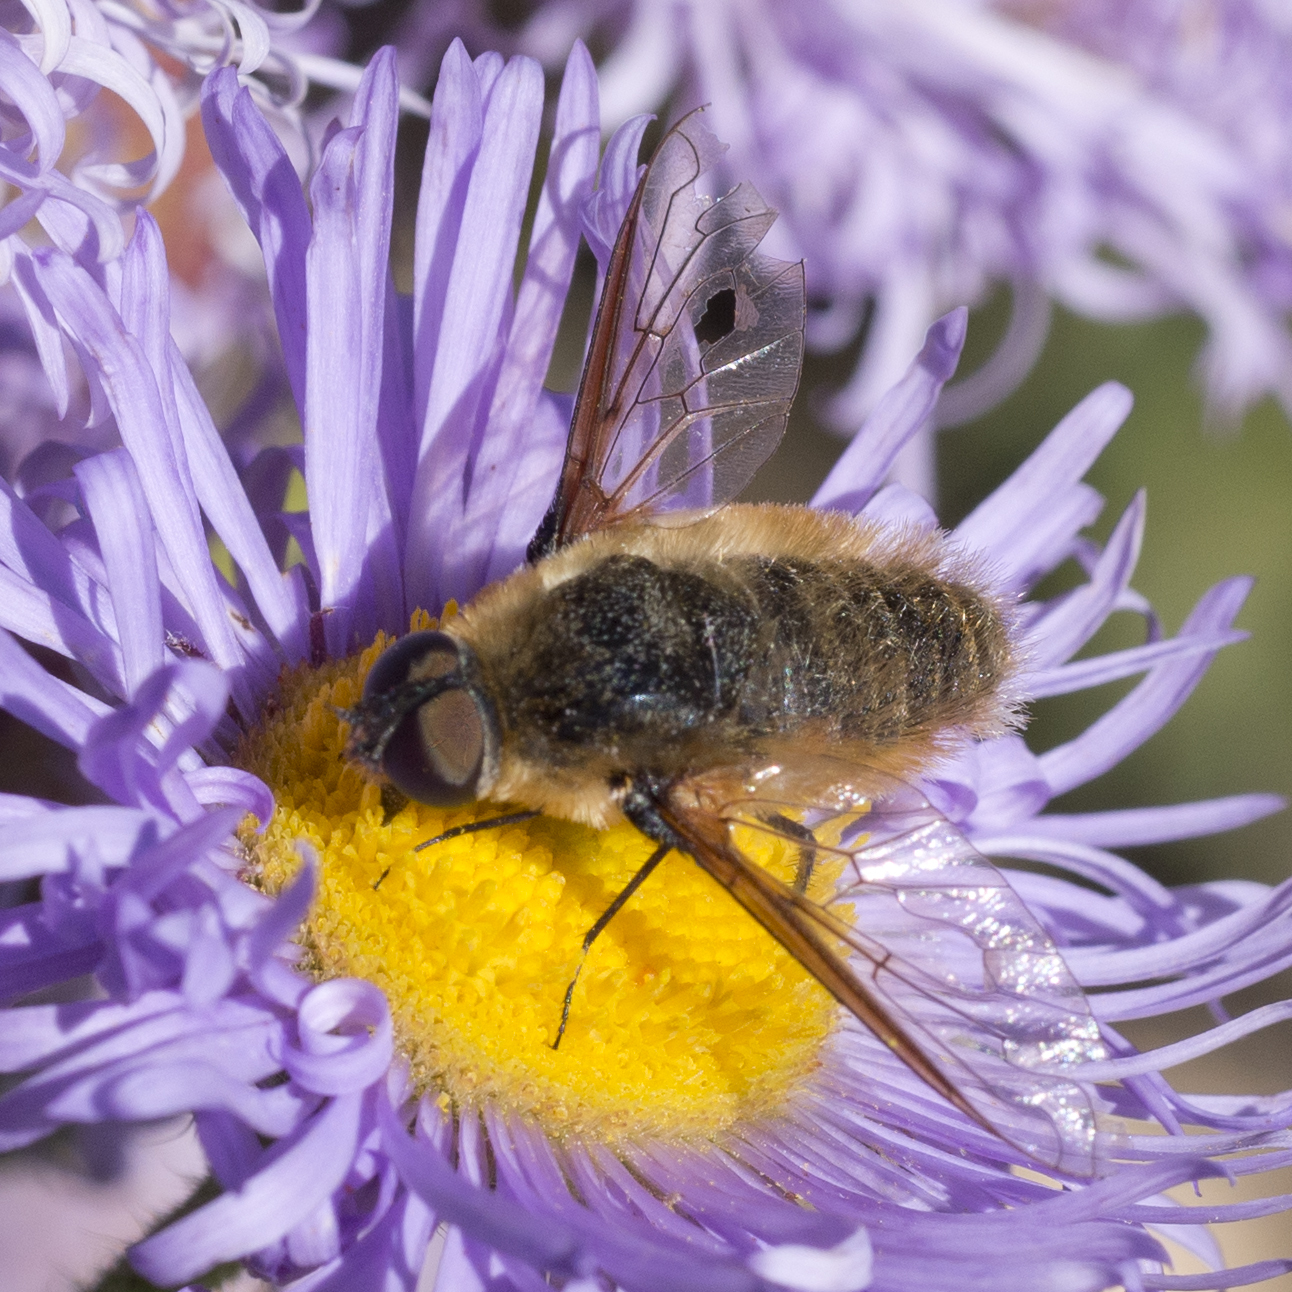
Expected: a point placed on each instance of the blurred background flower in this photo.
(99, 119)
(1123, 159)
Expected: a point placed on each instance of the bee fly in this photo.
(705, 669)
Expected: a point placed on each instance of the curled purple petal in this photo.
(345, 1038)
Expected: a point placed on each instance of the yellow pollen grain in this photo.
(687, 1016)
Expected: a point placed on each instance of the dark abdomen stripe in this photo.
(875, 653)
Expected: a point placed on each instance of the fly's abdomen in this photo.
(646, 664)
(873, 653)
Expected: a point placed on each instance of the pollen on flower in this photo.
(687, 1016)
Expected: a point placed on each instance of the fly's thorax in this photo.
(677, 650)
(630, 665)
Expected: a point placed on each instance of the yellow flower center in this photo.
(687, 1017)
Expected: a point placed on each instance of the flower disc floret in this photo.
(687, 1017)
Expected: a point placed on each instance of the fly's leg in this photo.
(494, 823)
(807, 852)
(602, 920)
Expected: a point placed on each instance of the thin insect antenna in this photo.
(494, 823)
(599, 927)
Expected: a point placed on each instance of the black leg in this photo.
(605, 917)
(494, 823)
(807, 852)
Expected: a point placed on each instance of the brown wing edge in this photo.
(579, 504)
(780, 910)
(805, 930)
(581, 446)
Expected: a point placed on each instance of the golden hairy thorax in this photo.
(754, 634)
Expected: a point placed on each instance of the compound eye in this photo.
(412, 659)
(436, 753)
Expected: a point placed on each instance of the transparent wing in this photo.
(695, 354)
(925, 942)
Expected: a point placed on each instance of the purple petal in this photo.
(896, 506)
(1140, 890)
(145, 310)
(160, 1090)
(389, 1256)
(604, 211)
(457, 116)
(1067, 623)
(299, 1174)
(1134, 827)
(186, 699)
(49, 845)
(846, 1267)
(29, 549)
(35, 1034)
(1207, 1215)
(78, 223)
(45, 331)
(1232, 1277)
(1196, 987)
(472, 550)
(335, 479)
(1170, 1056)
(35, 616)
(488, 67)
(477, 300)
(282, 917)
(210, 965)
(224, 500)
(141, 419)
(489, 1218)
(55, 708)
(233, 787)
(231, 1148)
(1100, 669)
(1148, 707)
(376, 112)
(537, 468)
(97, 61)
(152, 871)
(1012, 360)
(346, 1038)
(117, 507)
(19, 212)
(268, 193)
(396, 433)
(1029, 522)
(1006, 780)
(1102, 967)
(33, 96)
(898, 416)
(18, 807)
(238, 1038)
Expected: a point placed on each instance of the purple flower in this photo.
(1125, 158)
(72, 173)
(430, 451)
(56, 58)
